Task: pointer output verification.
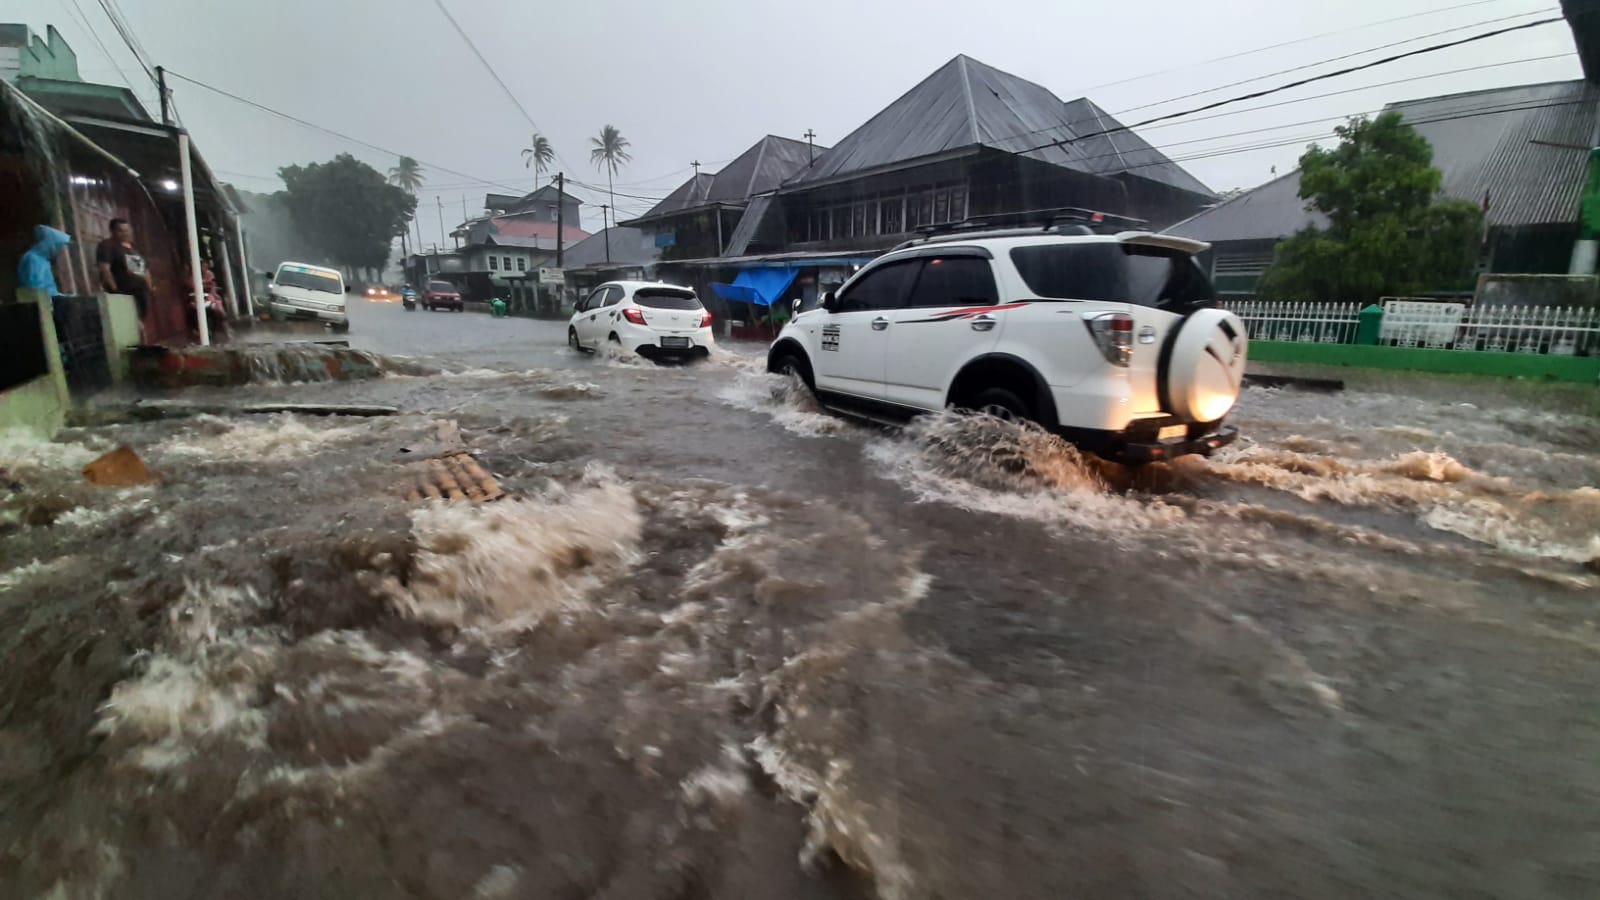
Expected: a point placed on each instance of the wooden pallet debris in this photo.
(454, 476)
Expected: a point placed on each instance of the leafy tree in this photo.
(609, 153)
(538, 154)
(1389, 231)
(407, 176)
(347, 209)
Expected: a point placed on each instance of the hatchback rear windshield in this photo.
(310, 281)
(1121, 273)
(656, 298)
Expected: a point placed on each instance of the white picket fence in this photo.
(1560, 330)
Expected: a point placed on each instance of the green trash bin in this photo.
(1369, 325)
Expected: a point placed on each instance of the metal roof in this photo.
(963, 104)
(749, 224)
(689, 194)
(761, 168)
(629, 247)
(1525, 148)
(1122, 152)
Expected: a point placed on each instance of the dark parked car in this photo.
(443, 295)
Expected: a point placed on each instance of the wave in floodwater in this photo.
(784, 399)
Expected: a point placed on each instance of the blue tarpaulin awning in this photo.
(758, 286)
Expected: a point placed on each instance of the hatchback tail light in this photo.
(705, 319)
(634, 314)
(1113, 334)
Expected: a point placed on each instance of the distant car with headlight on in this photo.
(379, 294)
(1112, 341)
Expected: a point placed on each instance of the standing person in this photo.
(37, 268)
(122, 268)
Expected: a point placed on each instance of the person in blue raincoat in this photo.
(37, 268)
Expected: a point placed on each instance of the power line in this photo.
(1294, 84)
(495, 75)
(1290, 43)
(1320, 62)
(83, 20)
(328, 131)
(127, 38)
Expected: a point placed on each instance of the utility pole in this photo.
(463, 208)
(605, 230)
(441, 221)
(811, 148)
(561, 216)
(161, 88)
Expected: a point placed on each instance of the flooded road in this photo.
(721, 645)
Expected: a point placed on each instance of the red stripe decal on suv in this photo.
(968, 313)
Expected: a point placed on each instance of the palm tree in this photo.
(407, 176)
(609, 153)
(539, 155)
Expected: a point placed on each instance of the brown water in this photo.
(723, 645)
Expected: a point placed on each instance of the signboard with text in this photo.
(552, 276)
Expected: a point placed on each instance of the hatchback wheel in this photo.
(572, 339)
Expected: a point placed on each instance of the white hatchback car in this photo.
(650, 318)
(1111, 341)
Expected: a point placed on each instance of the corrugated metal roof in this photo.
(749, 224)
(1122, 151)
(964, 103)
(759, 169)
(1483, 144)
(691, 193)
(629, 247)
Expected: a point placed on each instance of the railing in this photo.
(1278, 320)
(1554, 330)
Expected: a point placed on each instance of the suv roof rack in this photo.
(1062, 220)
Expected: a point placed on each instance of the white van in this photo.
(304, 291)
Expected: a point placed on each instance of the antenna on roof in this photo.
(811, 148)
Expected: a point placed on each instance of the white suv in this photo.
(650, 318)
(1110, 341)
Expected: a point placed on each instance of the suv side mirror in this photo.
(829, 301)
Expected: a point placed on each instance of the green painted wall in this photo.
(119, 321)
(1582, 369)
(40, 404)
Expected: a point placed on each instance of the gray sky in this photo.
(705, 79)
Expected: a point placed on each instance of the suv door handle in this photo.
(880, 323)
(984, 322)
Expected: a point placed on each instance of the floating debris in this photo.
(456, 476)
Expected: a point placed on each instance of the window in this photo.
(311, 281)
(613, 294)
(507, 263)
(958, 203)
(894, 215)
(661, 298)
(493, 265)
(1127, 273)
(593, 301)
(941, 206)
(872, 218)
(955, 281)
(882, 288)
(858, 213)
(522, 264)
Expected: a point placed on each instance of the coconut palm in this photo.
(539, 155)
(609, 153)
(407, 176)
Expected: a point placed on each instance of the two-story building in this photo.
(498, 250)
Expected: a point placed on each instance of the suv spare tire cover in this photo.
(1205, 365)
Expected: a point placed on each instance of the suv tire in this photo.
(791, 363)
(1002, 404)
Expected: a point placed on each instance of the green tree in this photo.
(610, 151)
(1389, 230)
(538, 154)
(347, 210)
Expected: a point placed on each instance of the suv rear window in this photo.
(1121, 273)
(441, 287)
(656, 298)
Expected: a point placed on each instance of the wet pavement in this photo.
(718, 644)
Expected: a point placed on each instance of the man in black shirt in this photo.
(122, 267)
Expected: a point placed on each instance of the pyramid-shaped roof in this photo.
(1111, 149)
(691, 193)
(761, 168)
(964, 103)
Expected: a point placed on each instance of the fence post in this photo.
(1370, 325)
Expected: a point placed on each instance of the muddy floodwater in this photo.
(717, 644)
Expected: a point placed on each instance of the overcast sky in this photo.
(704, 79)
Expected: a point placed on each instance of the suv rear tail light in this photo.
(634, 314)
(705, 319)
(1113, 333)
